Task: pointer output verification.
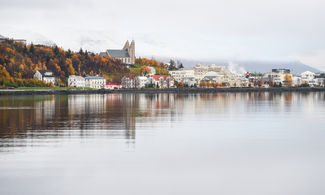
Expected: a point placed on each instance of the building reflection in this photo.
(119, 115)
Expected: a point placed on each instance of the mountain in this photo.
(251, 66)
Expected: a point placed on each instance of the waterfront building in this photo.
(279, 77)
(45, 75)
(180, 75)
(95, 82)
(200, 71)
(128, 82)
(76, 81)
(296, 81)
(140, 81)
(162, 81)
(126, 54)
(113, 86)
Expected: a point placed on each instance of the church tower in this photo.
(132, 52)
(126, 46)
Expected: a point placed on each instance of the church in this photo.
(126, 55)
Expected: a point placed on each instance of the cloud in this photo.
(315, 59)
(208, 29)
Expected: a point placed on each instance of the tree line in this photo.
(19, 62)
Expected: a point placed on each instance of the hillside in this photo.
(19, 62)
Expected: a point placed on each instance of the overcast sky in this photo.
(207, 29)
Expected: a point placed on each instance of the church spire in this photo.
(126, 46)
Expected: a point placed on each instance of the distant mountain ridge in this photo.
(252, 66)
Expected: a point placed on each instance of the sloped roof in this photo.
(112, 84)
(157, 77)
(2, 37)
(118, 53)
(94, 77)
(46, 71)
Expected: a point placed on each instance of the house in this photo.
(180, 75)
(45, 75)
(130, 82)
(76, 81)
(95, 82)
(280, 76)
(113, 86)
(141, 82)
(308, 77)
(126, 54)
(162, 81)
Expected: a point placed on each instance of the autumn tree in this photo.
(145, 70)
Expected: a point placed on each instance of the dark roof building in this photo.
(126, 55)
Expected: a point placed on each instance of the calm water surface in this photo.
(166, 144)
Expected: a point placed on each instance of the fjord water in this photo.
(227, 143)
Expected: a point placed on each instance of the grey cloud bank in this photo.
(234, 30)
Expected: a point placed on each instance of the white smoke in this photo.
(235, 68)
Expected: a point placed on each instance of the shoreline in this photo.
(154, 91)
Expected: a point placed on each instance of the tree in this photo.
(180, 85)
(179, 65)
(32, 48)
(172, 65)
(145, 70)
(288, 80)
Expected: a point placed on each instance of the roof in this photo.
(2, 37)
(307, 72)
(112, 84)
(118, 53)
(46, 71)
(94, 77)
(157, 77)
(76, 76)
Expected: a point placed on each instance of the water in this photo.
(229, 143)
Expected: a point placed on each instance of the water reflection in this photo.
(55, 116)
(226, 143)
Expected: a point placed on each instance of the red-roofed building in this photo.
(113, 86)
(162, 81)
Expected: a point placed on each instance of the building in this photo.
(162, 81)
(76, 81)
(200, 71)
(308, 78)
(140, 82)
(45, 75)
(126, 54)
(180, 75)
(280, 77)
(95, 82)
(113, 86)
(128, 82)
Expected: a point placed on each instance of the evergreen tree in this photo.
(172, 65)
(32, 48)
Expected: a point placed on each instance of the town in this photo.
(139, 75)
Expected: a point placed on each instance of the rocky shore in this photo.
(178, 90)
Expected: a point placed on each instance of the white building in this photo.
(140, 82)
(45, 75)
(76, 81)
(279, 77)
(179, 75)
(95, 82)
(308, 77)
(296, 81)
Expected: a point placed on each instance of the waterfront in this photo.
(223, 143)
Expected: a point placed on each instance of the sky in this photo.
(267, 30)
